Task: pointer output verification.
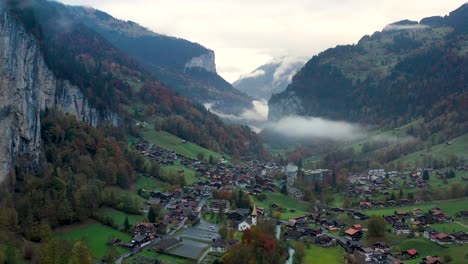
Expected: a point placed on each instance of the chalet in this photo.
(461, 237)
(360, 216)
(337, 210)
(275, 206)
(429, 232)
(313, 231)
(404, 202)
(418, 212)
(391, 219)
(353, 234)
(442, 238)
(381, 247)
(216, 204)
(391, 203)
(325, 241)
(431, 260)
(238, 214)
(219, 246)
(357, 226)
(401, 228)
(402, 213)
(365, 205)
(411, 253)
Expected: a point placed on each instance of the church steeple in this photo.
(254, 215)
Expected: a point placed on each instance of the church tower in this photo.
(254, 215)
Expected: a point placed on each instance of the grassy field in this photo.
(316, 254)
(458, 147)
(149, 184)
(287, 202)
(428, 248)
(171, 142)
(449, 228)
(189, 174)
(119, 216)
(450, 207)
(162, 257)
(95, 235)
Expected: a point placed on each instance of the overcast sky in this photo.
(248, 33)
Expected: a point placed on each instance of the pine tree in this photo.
(126, 224)
(425, 175)
(152, 215)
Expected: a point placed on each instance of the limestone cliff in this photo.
(27, 86)
(204, 61)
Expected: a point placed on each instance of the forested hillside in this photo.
(408, 70)
(114, 82)
(187, 67)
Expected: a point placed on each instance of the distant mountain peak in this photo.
(272, 77)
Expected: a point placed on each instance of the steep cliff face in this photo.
(204, 61)
(27, 86)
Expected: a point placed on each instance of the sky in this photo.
(248, 33)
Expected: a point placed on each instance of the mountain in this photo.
(52, 62)
(270, 78)
(408, 70)
(187, 67)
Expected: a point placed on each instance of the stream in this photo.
(290, 250)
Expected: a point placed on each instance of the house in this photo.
(381, 247)
(357, 226)
(365, 205)
(461, 237)
(401, 228)
(442, 238)
(418, 212)
(293, 234)
(429, 232)
(411, 253)
(325, 241)
(216, 204)
(353, 234)
(219, 246)
(432, 260)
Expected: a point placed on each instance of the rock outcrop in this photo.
(28, 86)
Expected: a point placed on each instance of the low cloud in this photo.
(314, 127)
(288, 66)
(254, 74)
(405, 27)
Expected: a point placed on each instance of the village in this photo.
(195, 214)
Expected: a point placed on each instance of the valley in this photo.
(123, 145)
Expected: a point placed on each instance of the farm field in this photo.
(119, 216)
(428, 248)
(287, 202)
(316, 254)
(189, 174)
(450, 207)
(95, 235)
(162, 257)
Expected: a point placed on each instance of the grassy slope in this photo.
(95, 235)
(449, 207)
(458, 147)
(119, 216)
(171, 142)
(287, 202)
(316, 254)
(428, 248)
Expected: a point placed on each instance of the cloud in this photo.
(405, 27)
(287, 66)
(253, 74)
(297, 127)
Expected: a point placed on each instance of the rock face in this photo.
(205, 61)
(290, 104)
(27, 86)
